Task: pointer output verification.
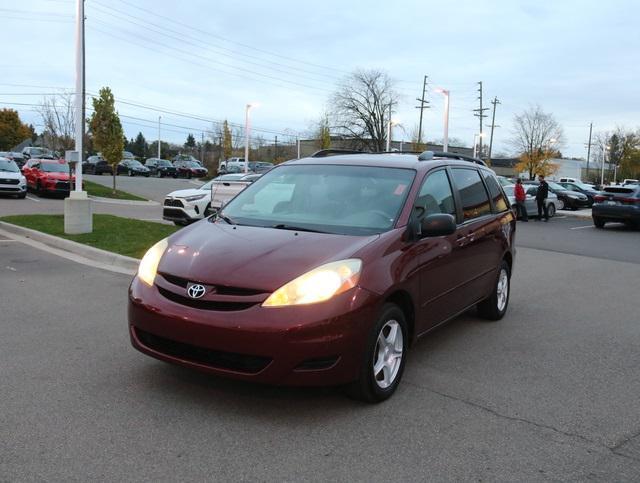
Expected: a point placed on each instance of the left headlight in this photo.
(195, 197)
(317, 285)
(149, 263)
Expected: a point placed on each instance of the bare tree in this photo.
(536, 137)
(59, 121)
(361, 107)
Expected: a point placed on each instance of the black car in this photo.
(586, 190)
(190, 169)
(617, 203)
(96, 165)
(572, 200)
(161, 167)
(132, 168)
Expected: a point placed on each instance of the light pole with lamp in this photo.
(247, 128)
(446, 94)
(605, 148)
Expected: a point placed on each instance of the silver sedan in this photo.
(553, 203)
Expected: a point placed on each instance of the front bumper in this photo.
(576, 203)
(14, 189)
(320, 344)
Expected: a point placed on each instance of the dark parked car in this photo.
(96, 165)
(17, 158)
(35, 152)
(579, 187)
(572, 200)
(132, 168)
(617, 203)
(324, 271)
(161, 167)
(190, 169)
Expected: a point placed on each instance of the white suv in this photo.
(186, 206)
(12, 181)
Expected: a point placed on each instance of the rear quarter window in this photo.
(500, 202)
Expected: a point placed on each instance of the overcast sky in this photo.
(577, 59)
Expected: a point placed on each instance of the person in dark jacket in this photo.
(541, 198)
(520, 196)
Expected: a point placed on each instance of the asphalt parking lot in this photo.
(548, 393)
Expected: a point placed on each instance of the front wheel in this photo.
(598, 222)
(384, 357)
(131, 173)
(495, 306)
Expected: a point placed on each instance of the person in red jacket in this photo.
(520, 197)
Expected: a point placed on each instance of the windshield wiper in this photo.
(282, 226)
(226, 219)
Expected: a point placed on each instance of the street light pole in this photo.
(446, 94)
(247, 126)
(79, 90)
(604, 159)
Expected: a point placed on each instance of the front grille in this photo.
(219, 289)
(172, 202)
(175, 213)
(205, 304)
(9, 181)
(5, 188)
(62, 185)
(217, 359)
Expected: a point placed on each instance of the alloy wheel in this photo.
(387, 357)
(503, 289)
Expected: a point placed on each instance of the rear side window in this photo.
(474, 197)
(499, 201)
(436, 195)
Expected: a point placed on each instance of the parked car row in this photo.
(185, 168)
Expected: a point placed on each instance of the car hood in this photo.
(10, 175)
(252, 257)
(60, 176)
(187, 193)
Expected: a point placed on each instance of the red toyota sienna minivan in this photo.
(324, 270)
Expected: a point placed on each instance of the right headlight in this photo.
(149, 263)
(317, 285)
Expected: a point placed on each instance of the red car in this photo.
(324, 271)
(47, 176)
(190, 169)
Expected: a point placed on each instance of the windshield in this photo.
(509, 189)
(164, 163)
(136, 164)
(55, 167)
(191, 164)
(8, 166)
(556, 186)
(349, 200)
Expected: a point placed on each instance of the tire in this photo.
(391, 329)
(189, 175)
(39, 190)
(22, 196)
(495, 306)
(551, 209)
(131, 173)
(598, 222)
(560, 204)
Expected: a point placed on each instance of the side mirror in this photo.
(439, 224)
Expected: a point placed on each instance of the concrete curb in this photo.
(99, 199)
(583, 214)
(102, 257)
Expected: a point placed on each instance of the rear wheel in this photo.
(598, 222)
(551, 209)
(384, 357)
(495, 306)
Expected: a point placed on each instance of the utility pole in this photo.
(159, 142)
(495, 102)
(481, 115)
(298, 145)
(424, 104)
(589, 148)
(275, 148)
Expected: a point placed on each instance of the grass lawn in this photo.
(125, 236)
(96, 189)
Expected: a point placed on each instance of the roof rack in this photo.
(323, 153)
(428, 155)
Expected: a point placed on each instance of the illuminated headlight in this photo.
(195, 197)
(149, 263)
(318, 285)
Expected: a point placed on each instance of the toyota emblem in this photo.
(196, 291)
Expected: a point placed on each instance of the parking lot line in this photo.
(581, 227)
(33, 199)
